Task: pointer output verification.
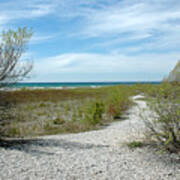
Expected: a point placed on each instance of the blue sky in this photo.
(97, 40)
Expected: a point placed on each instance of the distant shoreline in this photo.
(64, 85)
(69, 85)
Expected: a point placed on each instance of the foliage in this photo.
(164, 123)
(6, 110)
(52, 111)
(117, 102)
(135, 144)
(163, 90)
(13, 45)
(93, 112)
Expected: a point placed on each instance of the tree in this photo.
(13, 44)
(174, 75)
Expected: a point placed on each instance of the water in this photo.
(76, 84)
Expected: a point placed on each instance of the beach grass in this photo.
(36, 112)
(53, 111)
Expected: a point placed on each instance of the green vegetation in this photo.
(13, 44)
(135, 144)
(51, 111)
(164, 123)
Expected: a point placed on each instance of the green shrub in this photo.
(67, 109)
(42, 104)
(164, 122)
(117, 102)
(76, 110)
(59, 121)
(135, 144)
(163, 90)
(80, 113)
(74, 116)
(93, 112)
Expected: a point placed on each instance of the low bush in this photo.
(117, 102)
(52, 111)
(164, 122)
(93, 112)
(59, 120)
(135, 144)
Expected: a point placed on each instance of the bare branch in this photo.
(13, 45)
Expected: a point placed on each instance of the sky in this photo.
(97, 40)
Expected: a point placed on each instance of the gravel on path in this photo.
(93, 155)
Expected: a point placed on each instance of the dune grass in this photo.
(51, 111)
(135, 144)
(30, 113)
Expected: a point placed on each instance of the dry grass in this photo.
(51, 111)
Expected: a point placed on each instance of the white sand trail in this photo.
(93, 155)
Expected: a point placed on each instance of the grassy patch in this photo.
(51, 111)
(135, 144)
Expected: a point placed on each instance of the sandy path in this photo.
(91, 155)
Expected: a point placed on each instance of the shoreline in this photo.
(47, 88)
(71, 85)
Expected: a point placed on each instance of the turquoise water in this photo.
(77, 84)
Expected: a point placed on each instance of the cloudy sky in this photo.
(97, 40)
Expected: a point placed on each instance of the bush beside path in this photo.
(101, 154)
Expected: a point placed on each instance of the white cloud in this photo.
(133, 18)
(121, 21)
(39, 38)
(3, 19)
(127, 21)
(138, 26)
(84, 63)
(15, 10)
